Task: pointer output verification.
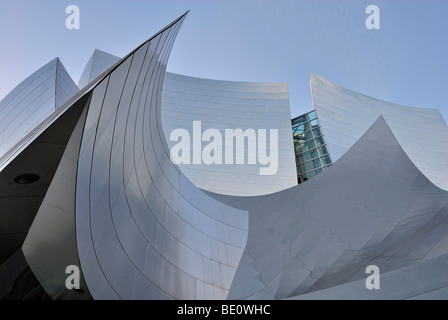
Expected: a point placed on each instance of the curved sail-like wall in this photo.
(143, 230)
(345, 115)
(99, 62)
(21, 111)
(110, 201)
(32, 101)
(232, 105)
(223, 105)
(372, 207)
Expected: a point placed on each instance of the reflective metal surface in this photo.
(99, 62)
(24, 112)
(50, 245)
(222, 105)
(143, 230)
(372, 207)
(110, 200)
(345, 115)
(32, 101)
(232, 105)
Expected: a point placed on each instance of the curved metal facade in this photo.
(372, 207)
(111, 201)
(231, 105)
(222, 105)
(21, 112)
(345, 115)
(32, 101)
(143, 230)
(99, 62)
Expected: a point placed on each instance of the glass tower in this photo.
(311, 151)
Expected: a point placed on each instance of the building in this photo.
(222, 105)
(101, 193)
(345, 115)
(32, 101)
(21, 111)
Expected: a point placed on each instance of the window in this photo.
(311, 151)
(300, 129)
(325, 160)
(299, 120)
(317, 132)
(310, 174)
(308, 145)
(320, 141)
(301, 146)
(312, 115)
(314, 123)
(308, 135)
(310, 165)
(307, 156)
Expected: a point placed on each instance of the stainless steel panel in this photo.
(231, 105)
(98, 63)
(32, 101)
(316, 240)
(129, 210)
(345, 115)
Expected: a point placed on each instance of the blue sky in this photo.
(249, 40)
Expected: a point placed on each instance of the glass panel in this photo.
(310, 165)
(307, 156)
(300, 126)
(322, 150)
(316, 163)
(301, 146)
(300, 135)
(314, 123)
(299, 120)
(311, 174)
(308, 145)
(317, 132)
(325, 160)
(307, 126)
(320, 141)
(312, 115)
(308, 135)
(298, 130)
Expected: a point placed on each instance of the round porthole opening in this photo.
(26, 178)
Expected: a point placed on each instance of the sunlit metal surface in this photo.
(223, 105)
(345, 115)
(50, 244)
(32, 101)
(143, 230)
(110, 199)
(232, 105)
(99, 62)
(372, 207)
